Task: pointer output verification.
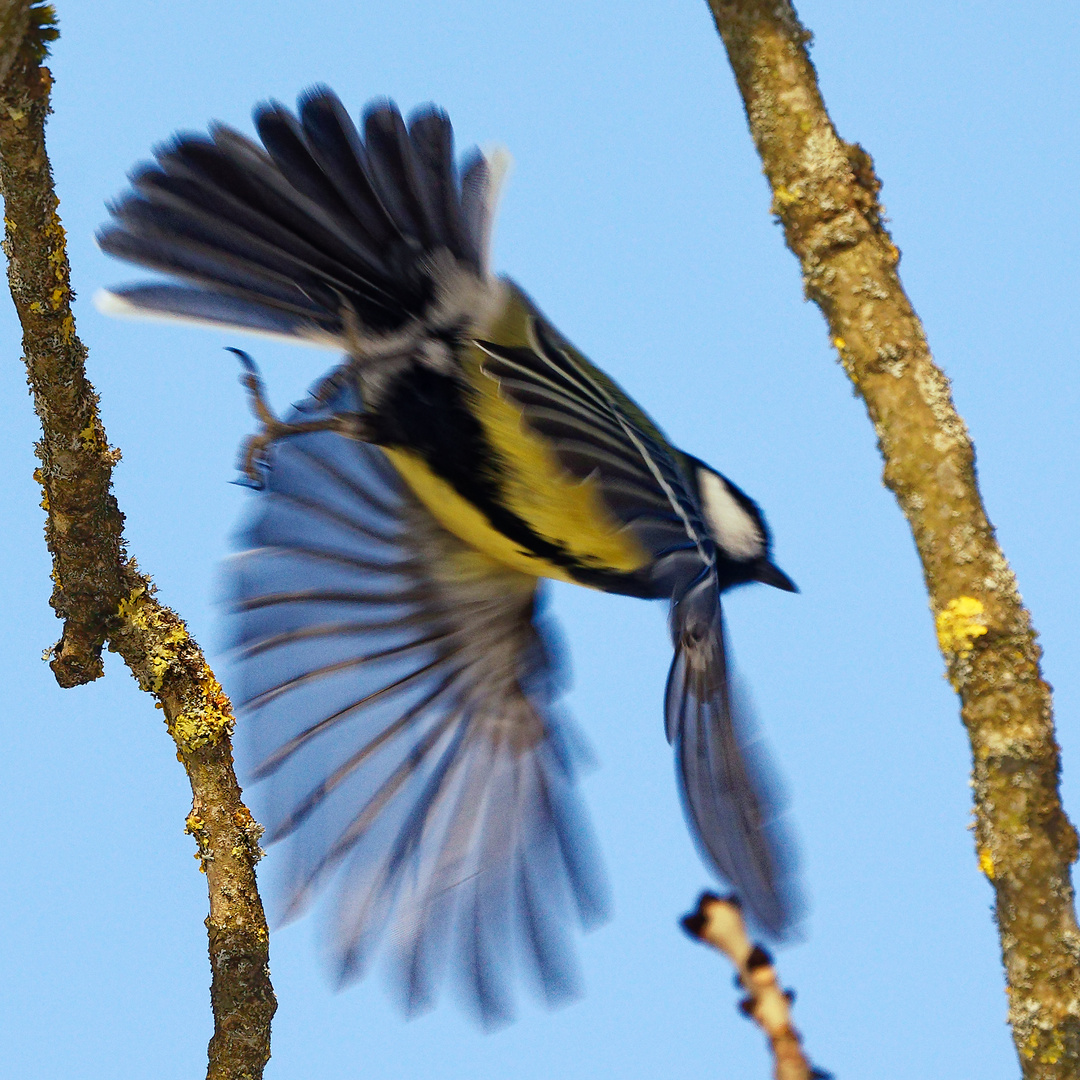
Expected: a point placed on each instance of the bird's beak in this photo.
(770, 574)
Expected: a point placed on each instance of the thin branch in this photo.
(166, 662)
(718, 922)
(825, 195)
(100, 594)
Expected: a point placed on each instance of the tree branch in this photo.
(825, 195)
(718, 922)
(84, 525)
(101, 595)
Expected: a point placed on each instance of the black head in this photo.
(738, 529)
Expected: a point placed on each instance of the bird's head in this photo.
(738, 529)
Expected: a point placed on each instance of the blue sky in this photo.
(637, 217)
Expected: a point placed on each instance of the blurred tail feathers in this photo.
(724, 779)
(317, 228)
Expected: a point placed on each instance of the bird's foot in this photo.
(253, 453)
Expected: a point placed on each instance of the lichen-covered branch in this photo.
(102, 596)
(167, 663)
(825, 195)
(14, 23)
(718, 922)
(84, 526)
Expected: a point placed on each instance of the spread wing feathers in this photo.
(597, 431)
(316, 226)
(724, 780)
(398, 693)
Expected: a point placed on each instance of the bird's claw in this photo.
(352, 425)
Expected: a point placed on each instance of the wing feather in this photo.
(310, 234)
(400, 712)
(595, 430)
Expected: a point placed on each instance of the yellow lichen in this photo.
(92, 437)
(196, 827)
(840, 343)
(129, 604)
(986, 863)
(251, 832)
(161, 656)
(959, 623)
(204, 721)
(161, 651)
(784, 197)
(1054, 1052)
(1029, 1047)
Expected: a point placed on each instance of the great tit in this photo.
(397, 677)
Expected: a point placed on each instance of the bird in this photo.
(397, 673)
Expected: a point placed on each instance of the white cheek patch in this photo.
(731, 524)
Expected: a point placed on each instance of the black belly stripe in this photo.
(426, 412)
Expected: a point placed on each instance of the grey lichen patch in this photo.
(936, 392)
(251, 832)
(966, 542)
(1000, 579)
(891, 357)
(868, 287)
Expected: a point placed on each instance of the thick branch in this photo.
(101, 596)
(84, 525)
(825, 195)
(14, 22)
(167, 663)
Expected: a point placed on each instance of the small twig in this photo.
(102, 596)
(718, 922)
(825, 194)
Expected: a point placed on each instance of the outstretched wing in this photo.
(596, 430)
(397, 691)
(319, 227)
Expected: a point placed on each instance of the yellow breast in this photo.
(557, 507)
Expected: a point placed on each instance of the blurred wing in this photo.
(319, 221)
(596, 430)
(398, 694)
(728, 791)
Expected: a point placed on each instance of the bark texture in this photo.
(100, 594)
(84, 525)
(825, 193)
